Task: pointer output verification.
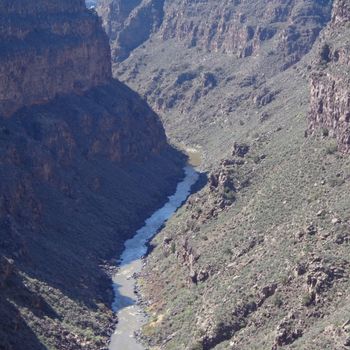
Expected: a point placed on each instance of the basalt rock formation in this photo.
(130, 23)
(77, 149)
(47, 50)
(231, 27)
(241, 29)
(330, 83)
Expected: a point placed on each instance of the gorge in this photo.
(257, 259)
(93, 98)
(76, 149)
(130, 315)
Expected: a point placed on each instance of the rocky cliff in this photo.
(130, 23)
(237, 27)
(231, 27)
(330, 92)
(67, 40)
(77, 149)
(212, 61)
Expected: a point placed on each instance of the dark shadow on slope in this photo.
(90, 205)
(15, 334)
(19, 294)
(65, 225)
(121, 301)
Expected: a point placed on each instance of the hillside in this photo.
(77, 148)
(258, 259)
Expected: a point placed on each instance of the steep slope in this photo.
(77, 149)
(66, 40)
(259, 258)
(130, 23)
(203, 49)
(234, 27)
(330, 92)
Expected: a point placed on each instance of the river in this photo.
(130, 315)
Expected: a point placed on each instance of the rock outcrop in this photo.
(238, 28)
(341, 12)
(330, 92)
(231, 27)
(129, 23)
(49, 50)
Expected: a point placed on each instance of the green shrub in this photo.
(228, 251)
(325, 132)
(229, 194)
(331, 149)
(335, 182)
(197, 346)
(277, 301)
(256, 159)
(307, 299)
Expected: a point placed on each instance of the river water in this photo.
(130, 315)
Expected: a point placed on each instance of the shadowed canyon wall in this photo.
(84, 160)
(49, 49)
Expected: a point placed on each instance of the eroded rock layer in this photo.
(330, 84)
(49, 49)
(240, 28)
(232, 27)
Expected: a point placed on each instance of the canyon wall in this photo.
(130, 23)
(49, 49)
(241, 29)
(230, 27)
(330, 83)
(84, 160)
(208, 59)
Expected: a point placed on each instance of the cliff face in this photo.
(239, 28)
(231, 27)
(330, 92)
(130, 23)
(208, 60)
(77, 149)
(49, 49)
